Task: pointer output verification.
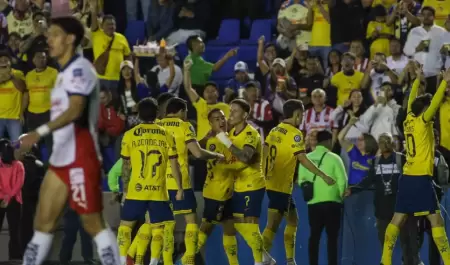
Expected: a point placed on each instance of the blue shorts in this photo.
(217, 211)
(280, 202)
(248, 203)
(188, 205)
(133, 210)
(416, 195)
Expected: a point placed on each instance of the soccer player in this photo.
(162, 99)
(416, 194)
(244, 142)
(74, 173)
(146, 150)
(218, 189)
(284, 146)
(185, 139)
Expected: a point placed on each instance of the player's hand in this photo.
(347, 192)
(28, 140)
(330, 181)
(180, 195)
(114, 198)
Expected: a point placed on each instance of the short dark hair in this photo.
(323, 136)
(190, 41)
(429, 8)
(71, 25)
(242, 104)
(370, 143)
(251, 84)
(147, 109)
(174, 105)
(211, 112)
(291, 106)
(350, 55)
(6, 151)
(212, 83)
(164, 97)
(420, 103)
(108, 16)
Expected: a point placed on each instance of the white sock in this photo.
(107, 249)
(154, 261)
(38, 248)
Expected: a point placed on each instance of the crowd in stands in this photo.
(345, 59)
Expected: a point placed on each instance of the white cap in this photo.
(126, 63)
(241, 67)
(279, 61)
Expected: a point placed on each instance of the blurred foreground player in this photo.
(74, 171)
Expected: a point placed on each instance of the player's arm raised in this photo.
(245, 154)
(429, 113)
(341, 136)
(415, 88)
(173, 160)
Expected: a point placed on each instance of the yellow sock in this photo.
(133, 248)
(157, 242)
(390, 238)
(143, 235)
(290, 233)
(230, 246)
(252, 235)
(202, 237)
(168, 250)
(268, 236)
(124, 240)
(441, 241)
(191, 241)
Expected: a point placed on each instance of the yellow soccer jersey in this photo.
(284, 143)
(220, 179)
(419, 138)
(251, 177)
(149, 147)
(183, 133)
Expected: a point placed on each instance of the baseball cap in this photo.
(241, 67)
(126, 63)
(279, 61)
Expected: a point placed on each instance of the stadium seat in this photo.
(215, 53)
(182, 51)
(260, 27)
(229, 33)
(135, 32)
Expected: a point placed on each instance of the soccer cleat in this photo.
(130, 260)
(292, 262)
(268, 260)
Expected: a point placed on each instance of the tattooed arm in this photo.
(245, 154)
(126, 173)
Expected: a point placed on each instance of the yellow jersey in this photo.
(251, 177)
(183, 133)
(380, 45)
(203, 109)
(39, 86)
(320, 32)
(345, 84)
(444, 123)
(10, 98)
(442, 8)
(284, 143)
(149, 147)
(220, 178)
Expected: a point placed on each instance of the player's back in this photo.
(251, 177)
(419, 138)
(284, 142)
(149, 147)
(183, 133)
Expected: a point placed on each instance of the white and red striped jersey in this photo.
(313, 120)
(261, 111)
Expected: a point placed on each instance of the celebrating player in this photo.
(244, 142)
(283, 147)
(416, 194)
(185, 139)
(146, 149)
(218, 189)
(75, 170)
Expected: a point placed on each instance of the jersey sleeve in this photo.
(172, 152)
(298, 145)
(125, 149)
(80, 79)
(189, 133)
(252, 139)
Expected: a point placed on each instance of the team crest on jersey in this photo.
(212, 147)
(297, 138)
(138, 187)
(249, 139)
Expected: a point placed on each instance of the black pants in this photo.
(326, 215)
(26, 223)
(12, 212)
(34, 120)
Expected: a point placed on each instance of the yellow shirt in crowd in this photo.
(119, 50)
(442, 9)
(345, 84)
(10, 98)
(380, 44)
(321, 29)
(39, 86)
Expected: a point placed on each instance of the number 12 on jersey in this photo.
(151, 160)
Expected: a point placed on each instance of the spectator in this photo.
(12, 48)
(442, 9)
(279, 86)
(311, 141)
(423, 44)
(445, 44)
(397, 61)
(132, 9)
(110, 49)
(265, 56)
(347, 79)
(36, 99)
(12, 87)
(318, 117)
(170, 75)
(381, 117)
(201, 70)
(37, 41)
(311, 80)
(236, 86)
(19, 17)
(293, 13)
(333, 67)
(325, 208)
(379, 32)
(260, 110)
(296, 63)
(403, 16)
(191, 19)
(376, 74)
(361, 61)
(12, 176)
(161, 20)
